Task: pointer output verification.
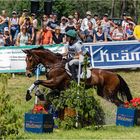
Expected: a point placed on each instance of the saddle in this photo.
(88, 71)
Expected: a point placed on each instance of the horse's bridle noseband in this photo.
(31, 69)
(35, 67)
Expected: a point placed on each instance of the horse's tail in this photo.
(124, 89)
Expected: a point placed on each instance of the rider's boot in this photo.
(73, 72)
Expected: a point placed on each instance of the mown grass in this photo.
(17, 89)
(105, 133)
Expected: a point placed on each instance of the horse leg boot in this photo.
(29, 91)
(73, 72)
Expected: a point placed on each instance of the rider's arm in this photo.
(64, 51)
(78, 55)
(79, 50)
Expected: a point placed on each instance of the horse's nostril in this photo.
(29, 75)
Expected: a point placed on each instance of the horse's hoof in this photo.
(28, 96)
(41, 97)
(37, 82)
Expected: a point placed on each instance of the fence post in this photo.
(37, 77)
(79, 73)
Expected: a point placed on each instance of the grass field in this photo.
(17, 89)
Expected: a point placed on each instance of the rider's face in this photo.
(68, 38)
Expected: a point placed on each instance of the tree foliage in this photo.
(114, 8)
(10, 5)
(117, 7)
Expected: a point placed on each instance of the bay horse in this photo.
(108, 84)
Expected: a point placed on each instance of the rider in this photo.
(74, 52)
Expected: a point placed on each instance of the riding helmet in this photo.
(71, 33)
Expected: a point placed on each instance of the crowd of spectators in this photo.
(29, 29)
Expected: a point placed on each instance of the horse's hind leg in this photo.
(100, 91)
(114, 99)
(112, 96)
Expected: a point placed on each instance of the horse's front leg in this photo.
(47, 83)
(53, 82)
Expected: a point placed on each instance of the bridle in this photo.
(35, 59)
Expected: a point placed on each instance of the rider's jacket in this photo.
(74, 49)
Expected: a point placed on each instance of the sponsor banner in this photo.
(109, 55)
(115, 55)
(12, 59)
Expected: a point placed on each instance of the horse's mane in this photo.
(47, 50)
(39, 48)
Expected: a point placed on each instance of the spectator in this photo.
(45, 36)
(30, 28)
(84, 24)
(6, 19)
(53, 22)
(96, 17)
(129, 19)
(35, 22)
(23, 16)
(1, 39)
(70, 24)
(35, 25)
(77, 18)
(98, 21)
(14, 26)
(124, 22)
(89, 33)
(100, 36)
(45, 20)
(80, 33)
(54, 19)
(7, 37)
(119, 34)
(23, 37)
(106, 24)
(58, 38)
(50, 17)
(129, 31)
(63, 25)
(2, 21)
(137, 32)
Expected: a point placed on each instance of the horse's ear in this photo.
(27, 51)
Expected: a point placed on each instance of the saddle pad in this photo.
(67, 69)
(88, 75)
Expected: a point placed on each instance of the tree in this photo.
(16, 5)
(135, 5)
(123, 5)
(112, 8)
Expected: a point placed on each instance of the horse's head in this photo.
(40, 55)
(31, 62)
